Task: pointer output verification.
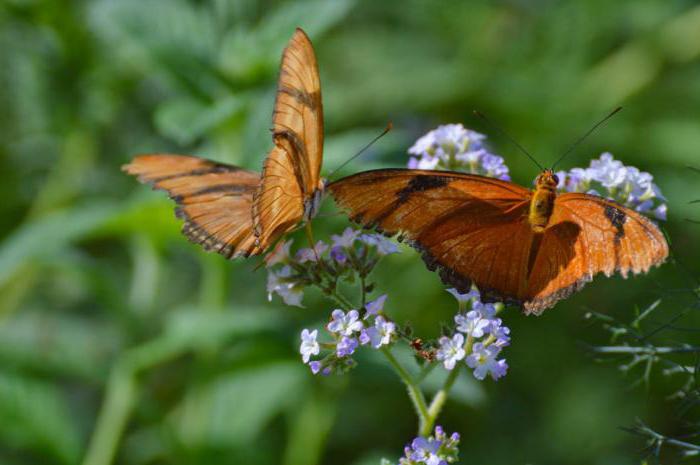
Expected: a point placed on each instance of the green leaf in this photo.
(57, 343)
(257, 51)
(234, 408)
(50, 233)
(35, 415)
(186, 119)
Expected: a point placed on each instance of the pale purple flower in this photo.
(338, 254)
(315, 367)
(346, 239)
(373, 307)
(345, 324)
(309, 345)
(436, 449)
(464, 298)
(346, 346)
(425, 450)
(486, 310)
(483, 361)
(310, 255)
(494, 166)
(280, 282)
(453, 147)
(427, 162)
(608, 171)
(384, 246)
(500, 332)
(280, 254)
(607, 177)
(380, 334)
(472, 324)
(451, 350)
(660, 212)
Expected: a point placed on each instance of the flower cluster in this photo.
(609, 178)
(347, 332)
(437, 449)
(324, 264)
(452, 147)
(478, 338)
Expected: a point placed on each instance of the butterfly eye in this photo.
(556, 178)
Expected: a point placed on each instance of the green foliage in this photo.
(120, 342)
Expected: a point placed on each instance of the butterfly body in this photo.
(542, 203)
(527, 247)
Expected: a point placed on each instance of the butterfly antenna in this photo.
(582, 138)
(507, 136)
(388, 128)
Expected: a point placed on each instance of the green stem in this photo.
(120, 398)
(438, 402)
(414, 391)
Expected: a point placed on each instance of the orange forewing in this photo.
(291, 173)
(214, 199)
(475, 229)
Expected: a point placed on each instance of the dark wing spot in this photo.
(421, 183)
(617, 219)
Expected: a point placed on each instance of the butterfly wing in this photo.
(587, 235)
(470, 228)
(214, 199)
(291, 172)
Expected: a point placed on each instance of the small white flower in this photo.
(380, 334)
(345, 324)
(472, 324)
(309, 345)
(279, 282)
(451, 350)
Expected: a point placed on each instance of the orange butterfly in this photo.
(527, 247)
(236, 212)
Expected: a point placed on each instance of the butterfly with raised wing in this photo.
(526, 247)
(237, 212)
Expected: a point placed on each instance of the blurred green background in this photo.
(106, 310)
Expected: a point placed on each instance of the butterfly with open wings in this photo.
(526, 247)
(237, 212)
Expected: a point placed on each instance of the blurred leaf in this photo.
(186, 119)
(309, 425)
(51, 232)
(257, 51)
(35, 415)
(196, 327)
(60, 344)
(234, 408)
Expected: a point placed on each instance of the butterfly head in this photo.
(547, 180)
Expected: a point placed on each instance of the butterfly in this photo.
(525, 247)
(237, 212)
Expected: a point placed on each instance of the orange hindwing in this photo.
(475, 229)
